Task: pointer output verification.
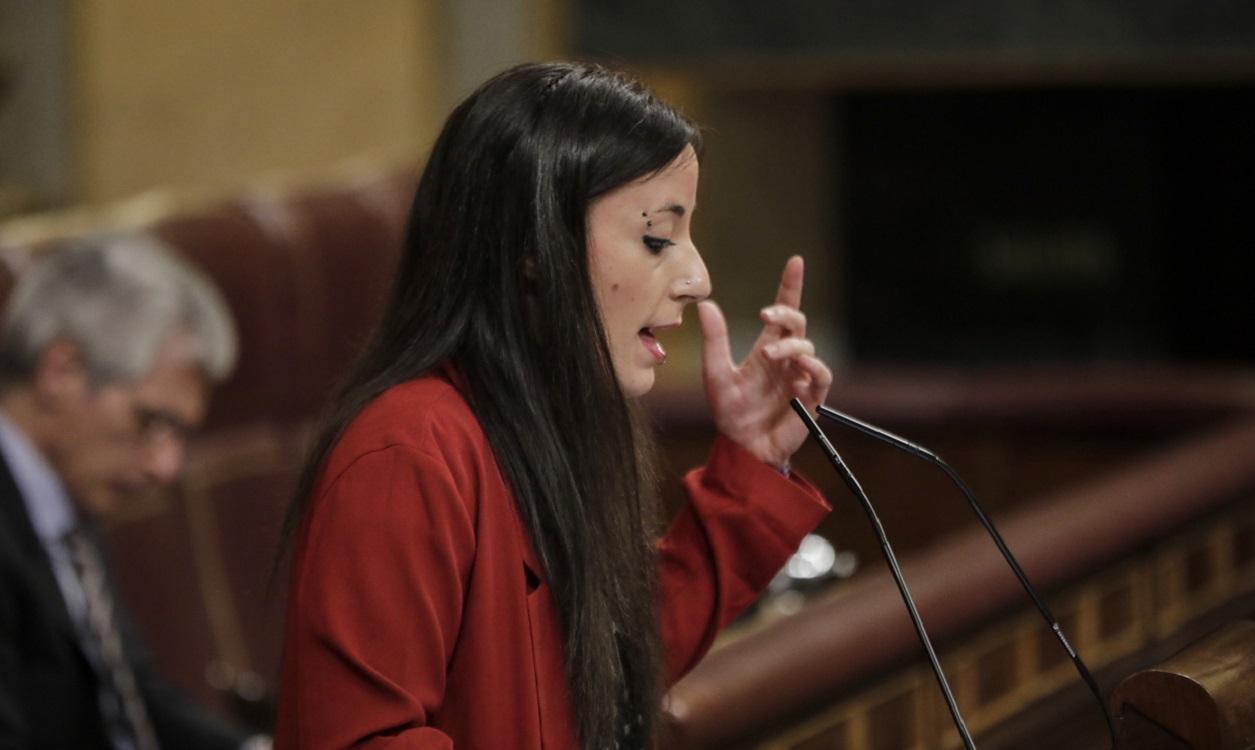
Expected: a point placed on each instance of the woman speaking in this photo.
(477, 561)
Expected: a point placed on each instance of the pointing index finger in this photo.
(790, 291)
(716, 351)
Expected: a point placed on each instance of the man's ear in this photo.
(60, 380)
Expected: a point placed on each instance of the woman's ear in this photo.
(60, 380)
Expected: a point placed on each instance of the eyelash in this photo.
(656, 244)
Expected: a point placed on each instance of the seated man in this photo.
(107, 353)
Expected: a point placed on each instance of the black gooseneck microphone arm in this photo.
(892, 560)
(921, 452)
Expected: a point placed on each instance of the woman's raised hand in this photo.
(750, 401)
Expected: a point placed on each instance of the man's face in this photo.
(124, 438)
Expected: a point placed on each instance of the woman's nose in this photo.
(692, 280)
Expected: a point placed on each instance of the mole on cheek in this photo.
(614, 287)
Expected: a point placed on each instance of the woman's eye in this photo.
(656, 244)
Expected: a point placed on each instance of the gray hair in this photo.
(119, 298)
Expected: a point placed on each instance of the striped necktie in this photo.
(103, 628)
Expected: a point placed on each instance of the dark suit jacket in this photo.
(47, 686)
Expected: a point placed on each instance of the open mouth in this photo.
(652, 345)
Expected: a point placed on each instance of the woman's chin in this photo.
(637, 383)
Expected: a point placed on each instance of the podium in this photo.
(1203, 698)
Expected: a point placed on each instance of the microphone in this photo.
(887, 550)
(919, 451)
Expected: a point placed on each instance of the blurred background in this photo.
(1022, 222)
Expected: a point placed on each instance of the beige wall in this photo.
(206, 95)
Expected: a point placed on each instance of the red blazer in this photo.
(411, 622)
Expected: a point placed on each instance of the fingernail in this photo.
(771, 349)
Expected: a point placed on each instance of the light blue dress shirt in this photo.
(53, 516)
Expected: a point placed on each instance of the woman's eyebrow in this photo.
(674, 208)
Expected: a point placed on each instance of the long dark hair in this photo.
(494, 277)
